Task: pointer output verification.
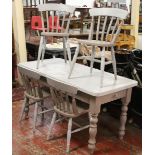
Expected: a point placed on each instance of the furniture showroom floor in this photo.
(25, 143)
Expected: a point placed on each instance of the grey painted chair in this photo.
(33, 95)
(65, 106)
(58, 26)
(109, 21)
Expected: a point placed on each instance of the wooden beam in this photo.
(19, 31)
(135, 19)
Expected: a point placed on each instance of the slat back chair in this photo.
(64, 98)
(106, 24)
(33, 95)
(63, 14)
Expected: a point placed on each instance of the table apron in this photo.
(101, 99)
(111, 97)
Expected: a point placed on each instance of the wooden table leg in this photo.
(123, 117)
(93, 114)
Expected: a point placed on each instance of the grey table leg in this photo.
(93, 117)
(92, 132)
(123, 117)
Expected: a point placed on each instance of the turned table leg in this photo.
(92, 132)
(123, 117)
(93, 118)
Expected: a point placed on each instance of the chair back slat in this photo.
(103, 28)
(74, 106)
(68, 104)
(52, 12)
(98, 27)
(61, 100)
(117, 32)
(54, 97)
(91, 29)
(115, 26)
(57, 22)
(43, 23)
(67, 23)
(63, 21)
(47, 14)
(109, 27)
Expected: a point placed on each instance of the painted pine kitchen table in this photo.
(89, 89)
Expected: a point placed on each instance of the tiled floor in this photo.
(27, 143)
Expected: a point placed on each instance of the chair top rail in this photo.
(56, 7)
(61, 86)
(116, 12)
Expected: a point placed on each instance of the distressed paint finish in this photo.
(53, 29)
(56, 70)
(123, 117)
(109, 22)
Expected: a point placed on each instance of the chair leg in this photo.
(102, 66)
(92, 59)
(44, 48)
(69, 135)
(40, 51)
(38, 32)
(69, 52)
(114, 62)
(23, 109)
(51, 125)
(35, 116)
(42, 109)
(64, 48)
(74, 60)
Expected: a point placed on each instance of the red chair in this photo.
(36, 24)
(56, 23)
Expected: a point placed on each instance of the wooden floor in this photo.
(27, 143)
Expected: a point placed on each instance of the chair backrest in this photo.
(61, 95)
(106, 22)
(36, 22)
(62, 13)
(31, 84)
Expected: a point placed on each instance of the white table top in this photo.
(56, 69)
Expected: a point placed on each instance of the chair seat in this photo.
(56, 34)
(71, 114)
(96, 43)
